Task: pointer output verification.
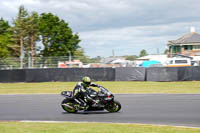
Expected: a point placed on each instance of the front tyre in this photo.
(68, 106)
(114, 106)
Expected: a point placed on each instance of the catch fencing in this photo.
(102, 74)
(43, 62)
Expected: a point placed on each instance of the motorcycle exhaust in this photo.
(66, 105)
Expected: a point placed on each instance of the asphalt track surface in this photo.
(162, 109)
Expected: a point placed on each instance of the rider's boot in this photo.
(82, 104)
(84, 107)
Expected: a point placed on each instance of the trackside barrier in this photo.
(102, 74)
(162, 74)
(12, 76)
(130, 74)
(173, 73)
(56, 74)
(69, 74)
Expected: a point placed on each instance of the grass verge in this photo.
(21, 127)
(115, 87)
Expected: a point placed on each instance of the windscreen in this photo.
(104, 90)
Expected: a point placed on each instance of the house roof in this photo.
(188, 38)
(110, 59)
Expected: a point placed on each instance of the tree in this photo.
(96, 59)
(80, 55)
(143, 53)
(166, 51)
(56, 36)
(4, 26)
(33, 36)
(131, 57)
(4, 38)
(3, 46)
(20, 30)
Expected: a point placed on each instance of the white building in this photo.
(161, 58)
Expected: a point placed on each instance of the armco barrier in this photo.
(102, 74)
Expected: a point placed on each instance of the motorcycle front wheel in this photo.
(68, 106)
(114, 106)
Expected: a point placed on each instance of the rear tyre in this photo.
(114, 106)
(68, 106)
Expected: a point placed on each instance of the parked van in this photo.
(178, 62)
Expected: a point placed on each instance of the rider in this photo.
(79, 92)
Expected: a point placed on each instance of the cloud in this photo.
(131, 40)
(87, 15)
(124, 25)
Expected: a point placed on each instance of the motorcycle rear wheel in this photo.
(114, 106)
(68, 102)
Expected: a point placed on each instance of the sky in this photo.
(123, 26)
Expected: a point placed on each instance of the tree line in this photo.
(45, 34)
(28, 29)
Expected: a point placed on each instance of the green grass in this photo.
(20, 127)
(115, 87)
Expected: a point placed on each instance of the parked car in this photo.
(178, 62)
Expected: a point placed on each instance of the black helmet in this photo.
(86, 81)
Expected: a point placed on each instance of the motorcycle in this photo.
(104, 97)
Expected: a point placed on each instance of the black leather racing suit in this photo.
(80, 96)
